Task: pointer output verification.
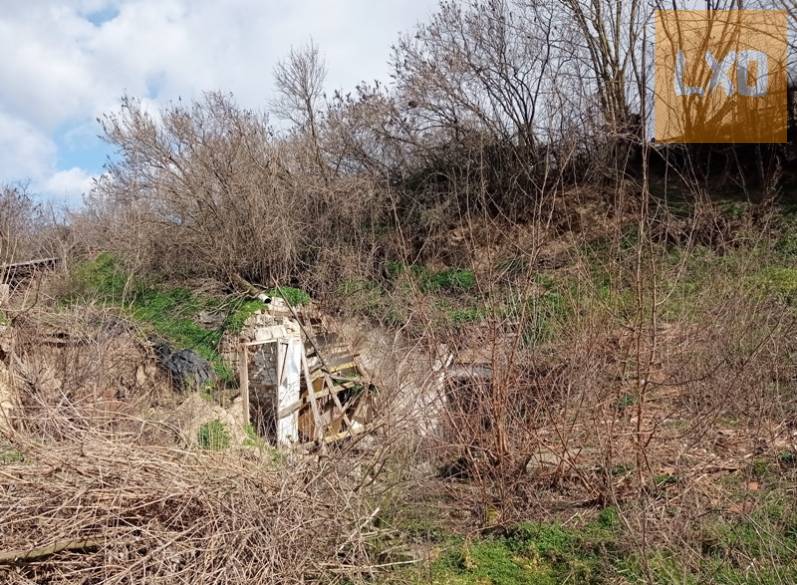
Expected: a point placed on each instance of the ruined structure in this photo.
(298, 382)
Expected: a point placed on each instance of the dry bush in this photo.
(103, 493)
(113, 513)
(30, 229)
(729, 361)
(22, 223)
(515, 432)
(494, 126)
(651, 395)
(207, 190)
(479, 119)
(201, 190)
(84, 370)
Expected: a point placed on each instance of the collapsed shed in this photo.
(300, 382)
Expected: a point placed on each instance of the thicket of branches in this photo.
(493, 109)
(497, 106)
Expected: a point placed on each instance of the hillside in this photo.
(474, 327)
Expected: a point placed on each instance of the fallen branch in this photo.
(34, 554)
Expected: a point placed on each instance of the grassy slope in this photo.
(170, 312)
(757, 545)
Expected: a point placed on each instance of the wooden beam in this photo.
(319, 425)
(336, 400)
(337, 389)
(243, 376)
(30, 263)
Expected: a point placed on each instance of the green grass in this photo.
(294, 296)
(760, 549)
(780, 281)
(786, 245)
(691, 281)
(456, 313)
(242, 311)
(489, 562)
(452, 280)
(170, 312)
(529, 554)
(787, 459)
(547, 313)
(451, 292)
(213, 436)
(370, 299)
(769, 533)
(448, 280)
(252, 438)
(9, 456)
(101, 278)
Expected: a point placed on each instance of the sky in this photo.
(66, 62)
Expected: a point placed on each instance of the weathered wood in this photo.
(290, 409)
(243, 375)
(331, 386)
(15, 272)
(319, 425)
(35, 263)
(342, 362)
(346, 380)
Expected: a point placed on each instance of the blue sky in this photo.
(68, 61)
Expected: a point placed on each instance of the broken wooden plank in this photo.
(290, 409)
(331, 386)
(35, 263)
(243, 375)
(319, 425)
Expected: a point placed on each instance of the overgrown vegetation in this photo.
(582, 340)
(758, 548)
(172, 312)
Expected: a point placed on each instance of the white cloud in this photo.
(28, 156)
(60, 70)
(25, 152)
(69, 185)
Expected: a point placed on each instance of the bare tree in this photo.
(19, 216)
(610, 31)
(300, 87)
